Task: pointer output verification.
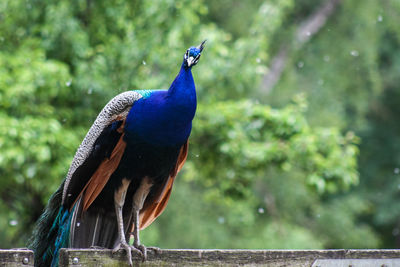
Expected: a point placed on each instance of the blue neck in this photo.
(165, 117)
(182, 91)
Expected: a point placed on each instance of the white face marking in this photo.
(190, 61)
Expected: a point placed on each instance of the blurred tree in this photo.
(349, 72)
(380, 161)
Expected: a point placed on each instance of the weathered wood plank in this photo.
(356, 263)
(16, 257)
(221, 258)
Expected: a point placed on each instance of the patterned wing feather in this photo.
(87, 159)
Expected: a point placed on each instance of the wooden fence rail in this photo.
(213, 257)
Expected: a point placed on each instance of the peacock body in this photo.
(121, 177)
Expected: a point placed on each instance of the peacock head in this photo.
(192, 55)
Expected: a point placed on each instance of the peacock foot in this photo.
(127, 248)
(143, 251)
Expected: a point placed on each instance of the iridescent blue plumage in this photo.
(165, 117)
(133, 152)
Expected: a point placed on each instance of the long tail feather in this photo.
(62, 226)
(95, 227)
(51, 232)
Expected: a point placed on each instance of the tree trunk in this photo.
(308, 28)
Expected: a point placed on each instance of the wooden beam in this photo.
(214, 257)
(16, 257)
(223, 258)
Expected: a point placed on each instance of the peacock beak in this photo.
(201, 46)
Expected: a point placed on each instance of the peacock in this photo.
(122, 174)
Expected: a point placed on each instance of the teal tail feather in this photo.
(61, 225)
(51, 232)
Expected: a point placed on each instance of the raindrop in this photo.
(261, 210)
(380, 18)
(318, 215)
(395, 231)
(398, 186)
(90, 91)
(1, 39)
(64, 120)
(144, 62)
(13, 222)
(78, 224)
(354, 53)
(68, 83)
(320, 82)
(197, 155)
(258, 60)
(30, 172)
(308, 33)
(327, 58)
(221, 220)
(396, 170)
(300, 64)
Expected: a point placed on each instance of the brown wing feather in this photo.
(152, 211)
(103, 173)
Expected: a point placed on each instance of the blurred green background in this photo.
(296, 140)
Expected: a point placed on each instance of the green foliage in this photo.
(350, 74)
(248, 138)
(36, 145)
(257, 176)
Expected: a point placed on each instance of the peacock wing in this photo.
(100, 150)
(91, 227)
(152, 210)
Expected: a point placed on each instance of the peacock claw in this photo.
(155, 249)
(128, 250)
(142, 250)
